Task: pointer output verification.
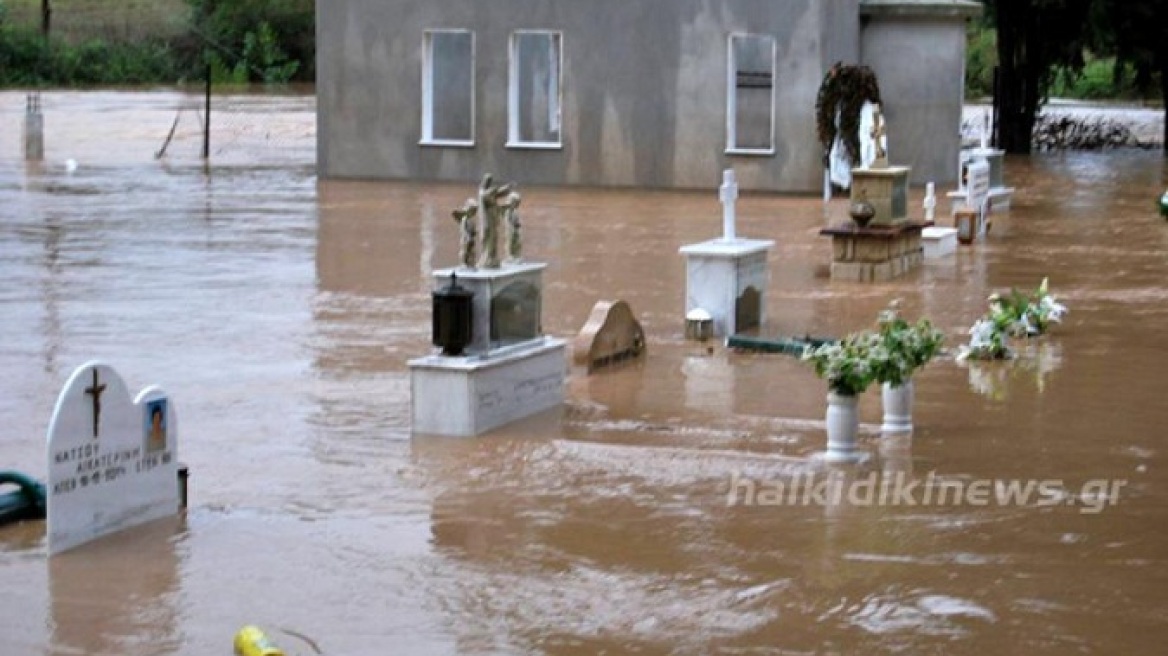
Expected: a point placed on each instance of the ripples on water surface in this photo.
(279, 312)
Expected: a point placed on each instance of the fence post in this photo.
(207, 118)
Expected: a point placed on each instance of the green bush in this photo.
(27, 60)
(1098, 80)
(275, 40)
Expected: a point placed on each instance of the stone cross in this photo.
(95, 391)
(728, 193)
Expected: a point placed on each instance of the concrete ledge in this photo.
(959, 9)
(867, 272)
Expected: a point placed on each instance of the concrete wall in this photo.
(644, 89)
(919, 60)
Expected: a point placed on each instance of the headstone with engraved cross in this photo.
(113, 460)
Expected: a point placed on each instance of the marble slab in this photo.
(112, 460)
(728, 279)
(467, 396)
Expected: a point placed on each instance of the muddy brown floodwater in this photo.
(279, 312)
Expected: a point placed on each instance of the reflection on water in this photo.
(118, 594)
(1033, 363)
(281, 311)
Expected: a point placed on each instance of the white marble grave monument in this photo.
(938, 242)
(727, 276)
(998, 194)
(113, 460)
(508, 369)
(978, 198)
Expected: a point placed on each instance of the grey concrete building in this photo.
(646, 93)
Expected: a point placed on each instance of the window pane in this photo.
(753, 66)
(451, 86)
(536, 88)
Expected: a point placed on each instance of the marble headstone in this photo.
(113, 460)
(612, 334)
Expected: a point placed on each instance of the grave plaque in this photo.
(113, 461)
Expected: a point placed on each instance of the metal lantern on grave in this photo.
(453, 326)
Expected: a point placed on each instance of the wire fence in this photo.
(253, 128)
(166, 126)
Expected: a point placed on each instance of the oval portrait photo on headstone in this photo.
(155, 425)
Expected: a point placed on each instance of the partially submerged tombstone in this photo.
(727, 276)
(113, 461)
(503, 367)
(611, 335)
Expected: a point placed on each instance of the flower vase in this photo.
(843, 422)
(898, 405)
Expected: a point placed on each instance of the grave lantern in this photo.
(452, 316)
(965, 220)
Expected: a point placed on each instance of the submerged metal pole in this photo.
(207, 117)
(184, 475)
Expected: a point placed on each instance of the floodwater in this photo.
(279, 311)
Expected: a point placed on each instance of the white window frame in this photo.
(732, 96)
(428, 90)
(513, 140)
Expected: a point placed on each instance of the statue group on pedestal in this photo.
(493, 206)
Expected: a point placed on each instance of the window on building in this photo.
(533, 91)
(448, 99)
(750, 95)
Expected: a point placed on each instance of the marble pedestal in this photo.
(728, 279)
(938, 242)
(509, 371)
(886, 188)
(466, 396)
(874, 254)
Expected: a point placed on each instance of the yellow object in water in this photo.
(251, 641)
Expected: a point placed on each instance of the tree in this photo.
(1034, 36)
(1135, 33)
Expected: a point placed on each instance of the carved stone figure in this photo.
(879, 137)
(490, 214)
(514, 237)
(465, 216)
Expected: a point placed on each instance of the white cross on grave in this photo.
(728, 193)
(113, 461)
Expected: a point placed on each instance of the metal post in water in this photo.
(183, 476)
(34, 129)
(46, 18)
(207, 118)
